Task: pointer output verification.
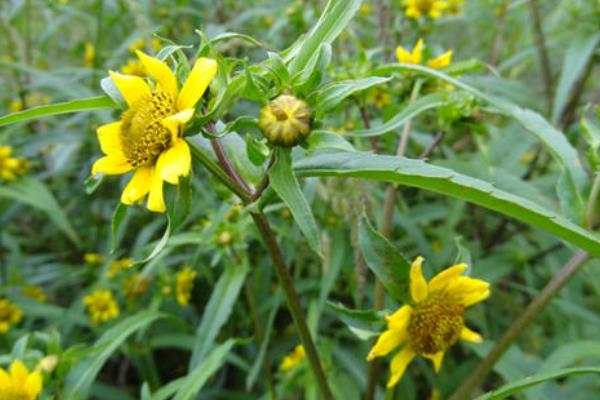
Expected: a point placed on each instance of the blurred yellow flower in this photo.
(16, 105)
(429, 8)
(293, 359)
(89, 55)
(364, 9)
(185, 284)
(455, 7)
(269, 20)
(10, 314)
(119, 265)
(34, 292)
(134, 67)
(224, 238)
(435, 320)
(416, 56)
(11, 167)
(380, 99)
(19, 383)
(48, 363)
(93, 258)
(156, 44)
(137, 45)
(135, 286)
(101, 306)
(148, 139)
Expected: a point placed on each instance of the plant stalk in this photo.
(540, 42)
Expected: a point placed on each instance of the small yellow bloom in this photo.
(381, 99)
(34, 292)
(11, 167)
(455, 7)
(365, 9)
(269, 20)
(10, 314)
(416, 56)
(101, 306)
(293, 359)
(48, 364)
(224, 238)
(156, 44)
(93, 258)
(149, 137)
(185, 284)
(135, 286)
(89, 55)
(137, 45)
(435, 320)
(18, 383)
(16, 105)
(429, 8)
(134, 67)
(119, 265)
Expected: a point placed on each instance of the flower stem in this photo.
(542, 51)
(533, 309)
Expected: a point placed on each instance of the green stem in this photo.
(590, 214)
(533, 309)
(542, 51)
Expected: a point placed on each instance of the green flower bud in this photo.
(285, 121)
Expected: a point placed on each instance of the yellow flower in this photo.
(293, 359)
(93, 258)
(134, 67)
(19, 383)
(430, 8)
(135, 286)
(269, 20)
(416, 56)
(455, 7)
(185, 284)
(380, 99)
(119, 265)
(285, 121)
(149, 139)
(10, 314)
(16, 105)
(89, 55)
(364, 9)
(101, 306)
(11, 167)
(48, 363)
(34, 292)
(137, 45)
(156, 44)
(435, 320)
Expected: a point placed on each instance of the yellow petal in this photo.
(417, 52)
(442, 279)
(403, 56)
(161, 72)
(442, 61)
(470, 290)
(196, 83)
(138, 186)
(400, 318)
(111, 165)
(133, 88)
(470, 336)
(109, 138)
(18, 373)
(475, 297)
(33, 385)
(437, 360)
(399, 364)
(4, 379)
(418, 285)
(175, 162)
(387, 342)
(156, 201)
(173, 122)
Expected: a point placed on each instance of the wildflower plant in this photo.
(306, 161)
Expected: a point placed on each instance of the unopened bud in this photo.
(285, 121)
(47, 364)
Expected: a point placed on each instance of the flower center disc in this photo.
(143, 137)
(435, 324)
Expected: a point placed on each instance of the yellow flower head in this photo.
(455, 7)
(16, 105)
(93, 258)
(101, 306)
(416, 56)
(285, 121)
(119, 265)
(89, 54)
(185, 284)
(429, 8)
(11, 167)
(9, 314)
(293, 359)
(135, 286)
(365, 10)
(18, 383)
(134, 67)
(148, 138)
(435, 320)
(137, 45)
(381, 99)
(34, 292)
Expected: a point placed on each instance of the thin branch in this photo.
(540, 42)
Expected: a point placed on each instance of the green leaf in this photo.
(332, 22)
(195, 380)
(314, 72)
(328, 140)
(575, 62)
(284, 182)
(34, 193)
(257, 150)
(413, 109)
(93, 103)
(419, 174)
(277, 66)
(521, 385)
(217, 311)
(332, 94)
(117, 219)
(386, 262)
(82, 375)
(553, 139)
(235, 35)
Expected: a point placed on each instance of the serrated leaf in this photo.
(284, 182)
